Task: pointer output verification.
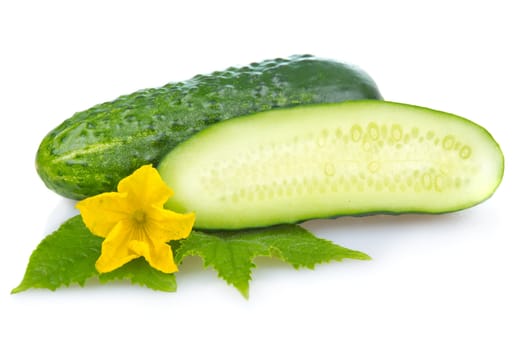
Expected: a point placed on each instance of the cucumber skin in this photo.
(93, 150)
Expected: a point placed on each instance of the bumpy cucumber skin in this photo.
(94, 149)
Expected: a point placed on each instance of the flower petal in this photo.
(159, 256)
(134, 222)
(115, 249)
(102, 212)
(166, 225)
(145, 186)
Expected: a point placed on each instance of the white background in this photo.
(445, 282)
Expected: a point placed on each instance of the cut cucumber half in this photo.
(317, 161)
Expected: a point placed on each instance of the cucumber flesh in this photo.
(328, 160)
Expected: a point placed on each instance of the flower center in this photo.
(139, 217)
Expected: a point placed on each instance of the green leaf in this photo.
(232, 253)
(64, 257)
(68, 256)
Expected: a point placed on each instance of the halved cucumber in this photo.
(316, 161)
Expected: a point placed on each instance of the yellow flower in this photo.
(134, 222)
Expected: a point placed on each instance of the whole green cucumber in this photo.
(94, 149)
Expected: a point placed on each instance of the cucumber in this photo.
(329, 160)
(93, 150)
